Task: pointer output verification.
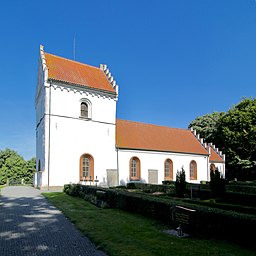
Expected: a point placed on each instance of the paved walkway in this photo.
(29, 225)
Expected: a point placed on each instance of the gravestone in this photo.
(183, 218)
(100, 198)
(112, 177)
(153, 176)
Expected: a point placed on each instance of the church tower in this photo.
(75, 122)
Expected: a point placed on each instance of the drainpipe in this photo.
(117, 164)
(49, 146)
(208, 169)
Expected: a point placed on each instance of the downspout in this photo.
(208, 169)
(224, 165)
(117, 158)
(49, 146)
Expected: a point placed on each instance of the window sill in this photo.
(85, 118)
(135, 179)
(168, 179)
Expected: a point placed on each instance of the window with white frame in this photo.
(85, 109)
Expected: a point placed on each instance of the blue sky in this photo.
(173, 60)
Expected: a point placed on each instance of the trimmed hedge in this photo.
(218, 203)
(151, 188)
(245, 188)
(208, 221)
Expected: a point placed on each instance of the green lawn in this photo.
(121, 233)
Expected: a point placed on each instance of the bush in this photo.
(168, 182)
(131, 185)
(180, 183)
(217, 185)
(208, 221)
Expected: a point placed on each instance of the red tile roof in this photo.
(65, 70)
(214, 157)
(134, 135)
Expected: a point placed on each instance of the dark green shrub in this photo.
(217, 184)
(168, 182)
(131, 185)
(208, 221)
(180, 183)
(66, 188)
(240, 198)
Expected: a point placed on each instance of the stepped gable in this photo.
(215, 154)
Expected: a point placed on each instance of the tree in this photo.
(236, 135)
(180, 183)
(207, 125)
(30, 169)
(233, 132)
(14, 168)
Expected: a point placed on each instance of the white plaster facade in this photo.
(62, 137)
(151, 160)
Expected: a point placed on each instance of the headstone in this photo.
(182, 219)
(153, 176)
(112, 177)
(101, 198)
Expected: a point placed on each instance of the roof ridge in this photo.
(75, 61)
(155, 125)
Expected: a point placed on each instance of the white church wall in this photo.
(220, 166)
(41, 124)
(155, 160)
(66, 102)
(72, 136)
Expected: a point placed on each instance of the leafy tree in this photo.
(234, 132)
(13, 167)
(30, 169)
(180, 183)
(236, 135)
(207, 125)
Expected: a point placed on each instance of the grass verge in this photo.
(120, 233)
(1, 186)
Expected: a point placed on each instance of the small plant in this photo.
(180, 183)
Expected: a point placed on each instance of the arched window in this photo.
(134, 168)
(84, 110)
(168, 169)
(212, 168)
(193, 170)
(86, 167)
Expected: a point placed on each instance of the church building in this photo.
(80, 140)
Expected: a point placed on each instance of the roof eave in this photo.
(163, 151)
(84, 87)
(217, 161)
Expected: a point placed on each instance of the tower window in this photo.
(84, 110)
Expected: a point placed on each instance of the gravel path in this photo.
(29, 225)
